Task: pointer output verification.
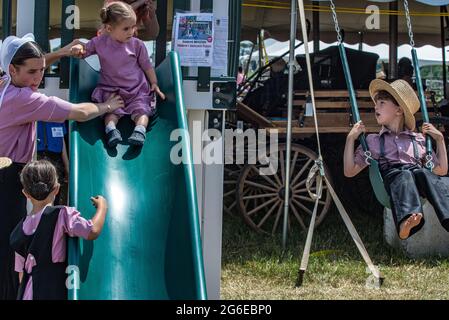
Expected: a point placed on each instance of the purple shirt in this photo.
(20, 109)
(69, 223)
(398, 148)
(122, 64)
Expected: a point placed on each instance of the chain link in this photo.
(368, 157)
(337, 26)
(409, 24)
(429, 162)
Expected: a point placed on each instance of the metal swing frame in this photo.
(317, 172)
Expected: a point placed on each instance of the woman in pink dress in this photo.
(126, 70)
(21, 105)
(39, 239)
(146, 17)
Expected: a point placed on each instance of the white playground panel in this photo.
(431, 240)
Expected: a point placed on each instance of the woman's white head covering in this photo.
(8, 50)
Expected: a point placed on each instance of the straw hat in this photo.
(403, 94)
(5, 162)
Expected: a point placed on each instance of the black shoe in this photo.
(137, 138)
(114, 137)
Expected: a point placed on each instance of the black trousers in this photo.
(12, 210)
(406, 184)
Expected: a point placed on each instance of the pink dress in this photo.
(122, 71)
(69, 223)
(20, 109)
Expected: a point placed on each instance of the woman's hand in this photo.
(155, 88)
(67, 50)
(137, 4)
(151, 8)
(356, 130)
(77, 50)
(429, 129)
(114, 102)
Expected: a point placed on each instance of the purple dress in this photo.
(69, 224)
(122, 71)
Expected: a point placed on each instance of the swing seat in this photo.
(377, 183)
(431, 240)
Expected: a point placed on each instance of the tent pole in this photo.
(393, 43)
(443, 50)
(291, 69)
(316, 28)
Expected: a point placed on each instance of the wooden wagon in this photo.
(260, 199)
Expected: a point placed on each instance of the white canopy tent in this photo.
(428, 54)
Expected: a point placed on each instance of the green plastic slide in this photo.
(150, 247)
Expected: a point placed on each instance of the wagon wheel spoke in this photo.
(245, 202)
(303, 207)
(228, 193)
(309, 199)
(292, 164)
(276, 222)
(260, 196)
(304, 190)
(303, 182)
(300, 172)
(268, 214)
(274, 184)
(281, 160)
(276, 177)
(261, 186)
(261, 206)
(298, 217)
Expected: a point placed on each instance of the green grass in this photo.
(252, 267)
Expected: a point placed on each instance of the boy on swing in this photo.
(401, 154)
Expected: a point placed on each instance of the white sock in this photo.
(110, 126)
(140, 129)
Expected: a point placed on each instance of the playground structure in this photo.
(150, 236)
(263, 105)
(162, 237)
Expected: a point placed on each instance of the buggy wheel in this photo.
(261, 197)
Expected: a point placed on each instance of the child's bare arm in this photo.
(350, 167)
(78, 50)
(66, 51)
(98, 220)
(151, 76)
(441, 154)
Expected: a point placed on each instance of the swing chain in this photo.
(337, 26)
(429, 162)
(368, 157)
(409, 24)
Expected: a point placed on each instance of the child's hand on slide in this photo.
(155, 88)
(115, 102)
(77, 50)
(99, 202)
